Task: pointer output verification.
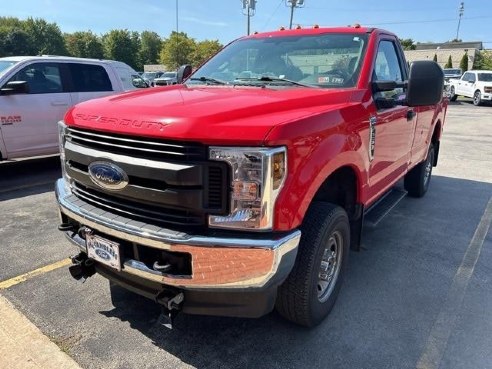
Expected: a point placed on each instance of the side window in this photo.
(42, 78)
(388, 68)
(472, 78)
(89, 78)
(466, 77)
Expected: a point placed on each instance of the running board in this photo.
(383, 206)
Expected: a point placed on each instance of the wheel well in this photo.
(340, 188)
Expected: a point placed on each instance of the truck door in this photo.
(462, 84)
(392, 127)
(29, 120)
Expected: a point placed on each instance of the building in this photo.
(443, 51)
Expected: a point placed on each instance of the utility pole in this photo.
(461, 11)
(249, 8)
(177, 37)
(293, 4)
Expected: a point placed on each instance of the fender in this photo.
(312, 157)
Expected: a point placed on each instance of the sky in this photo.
(223, 20)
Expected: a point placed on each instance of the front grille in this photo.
(488, 90)
(146, 213)
(174, 186)
(147, 148)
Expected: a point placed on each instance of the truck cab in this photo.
(243, 187)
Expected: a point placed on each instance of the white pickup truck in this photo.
(36, 91)
(476, 84)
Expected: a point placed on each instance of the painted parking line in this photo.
(444, 324)
(24, 277)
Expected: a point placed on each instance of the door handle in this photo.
(410, 115)
(59, 103)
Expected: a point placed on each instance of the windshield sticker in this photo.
(10, 119)
(333, 80)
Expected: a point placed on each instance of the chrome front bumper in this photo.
(217, 262)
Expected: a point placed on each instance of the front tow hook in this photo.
(82, 267)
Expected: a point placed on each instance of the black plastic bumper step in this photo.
(382, 207)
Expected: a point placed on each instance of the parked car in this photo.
(167, 78)
(149, 77)
(452, 73)
(476, 84)
(36, 91)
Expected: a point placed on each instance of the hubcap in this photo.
(329, 268)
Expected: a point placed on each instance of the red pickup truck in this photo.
(242, 188)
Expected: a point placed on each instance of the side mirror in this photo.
(183, 73)
(15, 87)
(425, 83)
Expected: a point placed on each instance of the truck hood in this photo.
(209, 114)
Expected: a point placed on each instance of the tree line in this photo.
(36, 36)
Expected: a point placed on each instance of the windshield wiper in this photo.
(275, 79)
(209, 80)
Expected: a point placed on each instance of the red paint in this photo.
(323, 129)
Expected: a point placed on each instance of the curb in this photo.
(24, 346)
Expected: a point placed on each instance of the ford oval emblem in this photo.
(108, 175)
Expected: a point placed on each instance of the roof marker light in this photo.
(316, 26)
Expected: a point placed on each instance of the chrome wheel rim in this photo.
(330, 265)
(476, 98)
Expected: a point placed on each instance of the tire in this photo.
(417, 181)
(477, 98)
(453, 95)
(306, 297)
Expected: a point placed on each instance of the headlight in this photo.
(258, 175)
(61, 145)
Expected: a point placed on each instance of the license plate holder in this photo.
(103, 250)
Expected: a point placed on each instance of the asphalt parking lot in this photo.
(419, 294)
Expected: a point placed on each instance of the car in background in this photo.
(476, 84)
(36, 92)
(149, 77)
(167, 78)
(452, 73)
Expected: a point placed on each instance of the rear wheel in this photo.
(417, 181)
(309, 292)
(452, 94)
(477, 98)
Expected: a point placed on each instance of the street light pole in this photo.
(293, 4)
(249, 7)
(461, 11)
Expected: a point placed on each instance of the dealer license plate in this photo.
(103, 251)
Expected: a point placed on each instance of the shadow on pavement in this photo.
(391, 296)
(28, 177)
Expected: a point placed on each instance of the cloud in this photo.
(204, 22)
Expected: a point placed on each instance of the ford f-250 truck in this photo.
(243, 187)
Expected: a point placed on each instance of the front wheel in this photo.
(309, 292)
(417, 181)
(477, 98)
(452, 94)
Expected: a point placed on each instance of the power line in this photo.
(271, 15)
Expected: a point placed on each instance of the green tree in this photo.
(150, 47)
(121, 45)
(408, 44)
(177, 50)
(449, 64)
(84, 45)
(45, 38)
(435, 58)
(483, 60)
(464, 62)
(14, 42)
(204, 50)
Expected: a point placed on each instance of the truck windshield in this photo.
(5, 64)
(322, 60)
(485, 77)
